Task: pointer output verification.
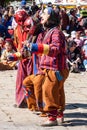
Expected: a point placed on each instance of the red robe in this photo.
(24, 68)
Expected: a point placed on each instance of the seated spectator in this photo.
(74, 57)
(76, 36)
(5, 64)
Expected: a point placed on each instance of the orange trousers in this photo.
(33, 91)
(45, 91)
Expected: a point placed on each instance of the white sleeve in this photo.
(14, 24)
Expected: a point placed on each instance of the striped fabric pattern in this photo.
(40, 48)
(52, 48)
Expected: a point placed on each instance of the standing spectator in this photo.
(34, 7)
(64, 19)
(78, 9)
(72, 20)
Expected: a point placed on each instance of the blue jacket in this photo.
(4, 32)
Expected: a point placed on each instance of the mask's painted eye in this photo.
(28, 26)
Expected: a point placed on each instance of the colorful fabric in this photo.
(19, 37)
(24, 69)
(29, 91)
(65, 74)
(25, 65)
(51, 90)
(35, 97)
(5, 54)
(16, 56)
(35, 67)
(40, 48)
(51, 47)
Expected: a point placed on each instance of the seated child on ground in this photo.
(5, 64)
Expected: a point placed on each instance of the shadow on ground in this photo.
(78, 117)
(75, 122)
(76, 105)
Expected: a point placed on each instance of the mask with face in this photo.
(20, 16)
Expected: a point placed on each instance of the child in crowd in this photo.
(5, 64)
